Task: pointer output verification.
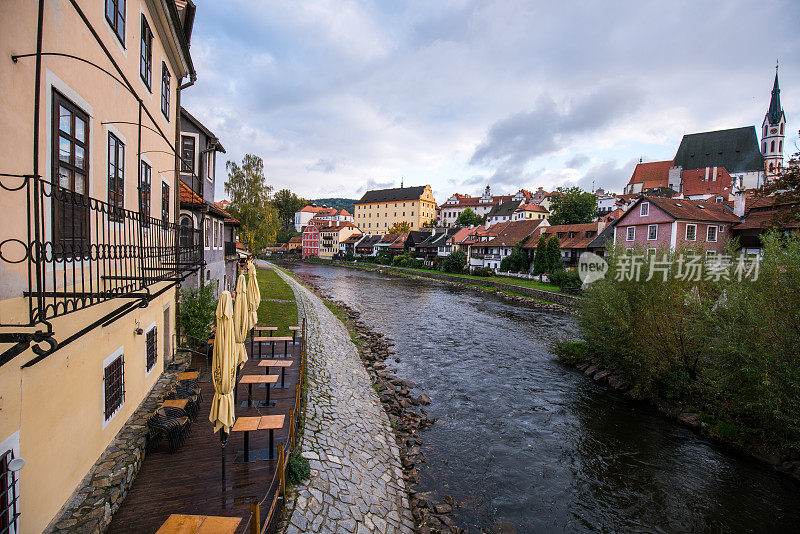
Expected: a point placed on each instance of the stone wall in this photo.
(103, 489)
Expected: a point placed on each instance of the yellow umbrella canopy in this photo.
(241, 319)
(223, 366)
(253, 294)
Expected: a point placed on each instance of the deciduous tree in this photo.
(572, 205)
(249, 193)
(400, 228)
(469, 218)
(287, 203)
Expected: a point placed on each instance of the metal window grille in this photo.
(150, 349)
(114, 386)
(9, 510)
(165, 202)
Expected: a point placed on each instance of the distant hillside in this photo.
(338, 203)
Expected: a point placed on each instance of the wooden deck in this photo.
(189, 481)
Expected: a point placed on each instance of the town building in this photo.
(481, 206)
(311, 238)
(90, 118)
(332, 235)
(295, 244)
(574, 239)
(489, 246)
(379, 210)
(322, 213)
(529, 211)
(503, 212)
(348, 246)
(773, 132)
(367, 246)
(655, 223)
(198, 209)
(387, 240)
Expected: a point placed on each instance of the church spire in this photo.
(775, 110)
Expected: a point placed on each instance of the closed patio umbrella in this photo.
(253, 294)
(223, 366)
(241, 319)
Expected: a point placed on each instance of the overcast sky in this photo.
(342, 96)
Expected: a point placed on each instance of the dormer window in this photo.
(644, 209)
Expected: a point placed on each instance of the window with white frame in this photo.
(652, 232)
(631, 233)
(113, 384)
(711, 234)
(644, 209)
(691, 232)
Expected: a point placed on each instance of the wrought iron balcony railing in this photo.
(76, 251)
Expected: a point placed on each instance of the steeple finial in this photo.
(775, 111)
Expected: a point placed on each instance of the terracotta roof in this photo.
(355, 238)
(228, 217)
(692, 210)
(761, 219)
(514, 232)
(465, 201)
(389, 238)
(190, 197)
(653, 174)
(461, 235)
(296, 239)
(695, 183)
(580, 238)
(533, 207)
(336, 225)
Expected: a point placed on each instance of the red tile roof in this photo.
(190, 197)
(513, 232)
(650, 175)
(580, 238)
(693, 210)
(695, 183)
(532, 207)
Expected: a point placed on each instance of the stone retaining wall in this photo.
(103, 489)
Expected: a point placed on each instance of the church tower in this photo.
(772, 133)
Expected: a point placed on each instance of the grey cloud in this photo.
(577, 161)
(323, 165)
(375, 184)
(607, 175)
(520, 138)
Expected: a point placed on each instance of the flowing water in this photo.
(522, 439)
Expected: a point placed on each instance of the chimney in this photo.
(738, 198)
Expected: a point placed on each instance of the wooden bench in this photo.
(294, 330)
(258, 379)
(272, 341)
(190, 375)
(176, 403)
(283, 364)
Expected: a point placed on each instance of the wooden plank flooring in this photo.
(189, 481)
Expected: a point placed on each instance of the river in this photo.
(521, 438)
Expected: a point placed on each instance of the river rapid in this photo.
(522, 439)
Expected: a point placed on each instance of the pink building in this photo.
(660, 222)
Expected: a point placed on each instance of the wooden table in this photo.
(283, 364)
(199, 524)
(190, 375)
(176, 403)
(250, 424)
(271, 422)
(246, 425)
(272, 340)
(258, 379)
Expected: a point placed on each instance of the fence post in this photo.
(281, 471)
(291, 428)
(255, 518)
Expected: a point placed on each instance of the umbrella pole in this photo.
(223, 440)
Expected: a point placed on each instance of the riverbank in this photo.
(356, 483)
(686, 412)
(518, 293)
(406, 412)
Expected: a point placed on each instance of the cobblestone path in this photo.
(356, 484)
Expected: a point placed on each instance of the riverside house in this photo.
(198, 209)
(332, 235)
(380, 209)
(575, 239)
(311, 238)
(659, 222)
(91, 252)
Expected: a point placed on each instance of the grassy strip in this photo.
(280, 314)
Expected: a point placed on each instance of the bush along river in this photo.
(523, 443)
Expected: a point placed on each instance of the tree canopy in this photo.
(249, 193)
(786, 188)
(572, 205)
(400, 228)
(287, 203)
(469, 218)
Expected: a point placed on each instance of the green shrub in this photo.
(455, 262)
(483, 271)
(570, 352)
(297, 468)
(198, 313)
(564, 279)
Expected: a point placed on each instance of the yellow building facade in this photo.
(331, 236)
(378, 210)
(90, 254)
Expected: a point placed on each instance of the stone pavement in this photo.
(356, 484)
